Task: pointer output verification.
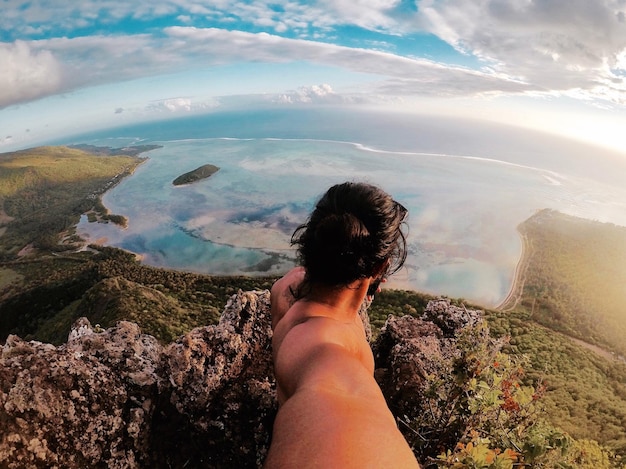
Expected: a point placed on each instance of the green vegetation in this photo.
(109, 151)
(572, 278)
(8, 277)
(197, 174)
(585, 393)
(109, 285)
(582, 394)
(484, 400)
(526, 396)
(43, 192)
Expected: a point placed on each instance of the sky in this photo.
(554, 65)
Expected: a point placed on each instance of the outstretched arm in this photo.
(335, 415)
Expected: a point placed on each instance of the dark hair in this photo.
(353, 230)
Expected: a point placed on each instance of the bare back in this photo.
(332, 412)
(301, 343)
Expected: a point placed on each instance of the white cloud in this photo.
(219, 46)
(570, 46)
(87, 61)
(567, 47)
(171, 105)
(27, 73)
(300, 17)
(36, 69)
(66, 16)
(177, 105)
(309, 94)
(369, 14)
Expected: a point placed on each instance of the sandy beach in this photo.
(517, 285)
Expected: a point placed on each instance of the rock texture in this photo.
(88, 403)
(118, 399)
(408, 351)
(219, 382)
(420, 366)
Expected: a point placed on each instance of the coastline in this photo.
(517, 285)
(435, 270)
(100, 211)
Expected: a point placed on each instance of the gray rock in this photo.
(118, 399)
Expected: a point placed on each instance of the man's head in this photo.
(354, 232)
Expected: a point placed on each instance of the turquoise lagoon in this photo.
(464, 207)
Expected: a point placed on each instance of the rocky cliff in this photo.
(118, 399)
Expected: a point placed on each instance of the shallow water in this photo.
(463, 210)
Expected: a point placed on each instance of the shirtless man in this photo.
(332, 413)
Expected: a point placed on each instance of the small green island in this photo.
(196, 175)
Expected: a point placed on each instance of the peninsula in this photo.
(571, 278)
(196, 175)
(45, 190)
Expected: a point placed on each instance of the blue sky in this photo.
(553, 65)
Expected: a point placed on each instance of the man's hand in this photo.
(282, 294)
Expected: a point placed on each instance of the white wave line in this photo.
(364, 147)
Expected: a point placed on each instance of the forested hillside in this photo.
(571, 282)
(573, 277)
(43, 192)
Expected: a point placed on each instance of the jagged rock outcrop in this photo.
(410, 351)
(421, 365)
(218, 381)
(120, 399)
(88, 403)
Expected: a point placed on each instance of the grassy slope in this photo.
(44, 190)
(45, 166)
(108, 286)
(585, 393)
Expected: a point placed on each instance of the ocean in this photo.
(467, 187)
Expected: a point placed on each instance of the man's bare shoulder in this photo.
(292, 279)
(282, 293)
(315, 348)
